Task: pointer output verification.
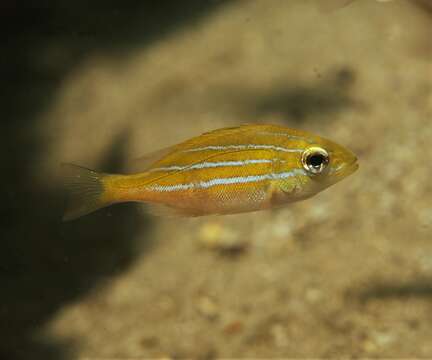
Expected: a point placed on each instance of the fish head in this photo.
(317, 164)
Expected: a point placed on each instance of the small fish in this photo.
(226, 171)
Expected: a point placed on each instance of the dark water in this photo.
(45, 264)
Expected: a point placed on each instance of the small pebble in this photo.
(279, 335)
(207, 307)
(233, 327)
(313, 295)
(215, 236)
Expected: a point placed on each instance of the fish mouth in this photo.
(346, 169)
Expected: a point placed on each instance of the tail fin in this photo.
(85, 189)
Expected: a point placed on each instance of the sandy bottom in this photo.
(347, 273)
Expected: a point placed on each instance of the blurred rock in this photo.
(207, 307)
(216, 236)
(233, 327)
(279, 335)
(313, 295)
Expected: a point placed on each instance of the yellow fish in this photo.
(226, 171)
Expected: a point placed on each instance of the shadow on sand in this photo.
(296, 103)
(299, 103)
(419, 288)
(44, 263)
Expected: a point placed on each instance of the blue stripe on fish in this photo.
(228, 181)
(210, 164)
(244, 147)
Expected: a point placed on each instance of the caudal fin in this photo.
(86, 191)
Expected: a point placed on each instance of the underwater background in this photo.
(347, 273)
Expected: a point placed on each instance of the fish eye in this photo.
(315, 160)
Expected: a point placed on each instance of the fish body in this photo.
(226, 171)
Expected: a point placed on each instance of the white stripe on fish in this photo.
(243, 147)
(228, 181)
(210, 164)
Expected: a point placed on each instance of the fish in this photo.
(231, 170)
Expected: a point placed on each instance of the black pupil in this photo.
(316, 160)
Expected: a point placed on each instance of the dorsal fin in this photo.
(229, 129)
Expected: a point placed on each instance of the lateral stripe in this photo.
(243, 147)
(227, 181)
(210, 164)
